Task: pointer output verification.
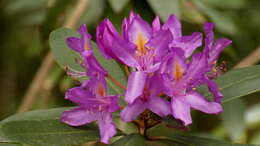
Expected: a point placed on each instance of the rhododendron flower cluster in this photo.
(165, 72)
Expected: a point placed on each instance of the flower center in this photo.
(177, 71)
(140, 42)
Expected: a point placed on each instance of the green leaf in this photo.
(130, 140)
(224, 23)
(237, 83)
(118, 5)
(234, 121)
(166, 8)
(167, 136)
(125, 127)
(66, 57)
(43, 127)
(62, 54)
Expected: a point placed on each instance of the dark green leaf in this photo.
(130, 140)
(237, 83)
(233, 119)
(169, 136)
(43, 127)
(118, 5)
(166, 8)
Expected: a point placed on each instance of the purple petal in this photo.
(78, 95)
(107, 128)
(139, 28)
(155, 84)
(126, 23)
(198, 102)
(82, 29)
(105, 35)
(96, 85)
(123, 51)
(75, 44)
(159, 106)
(135, 86)
(160, 42)
(156, 24)
(79, 116)
(174, 25)
(93, 66)
(85, 38)
(209, 40)
(176, 65)
(213, 88)
(114, 103)
(131, 111)
(181, 110)
(218, 47)
(196, 69)
(188, 43)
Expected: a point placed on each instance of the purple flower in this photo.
(83, 46)
(141, 46)
(147, 97)
(181, 79)
(161, 60)
(187, 43)
(94, 105)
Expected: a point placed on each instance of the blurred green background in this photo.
(26, 25)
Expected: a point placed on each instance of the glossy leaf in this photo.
(234, 121)
(170, 137)
(166, 8)
(237, 83)
(43, 127)
(130, 140)
(118, 5)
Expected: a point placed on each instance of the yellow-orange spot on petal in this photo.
(86, 46)
(140, 42)
(101, 90)
(178, 71)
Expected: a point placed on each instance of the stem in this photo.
(116, 82)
